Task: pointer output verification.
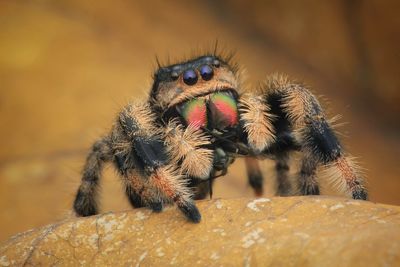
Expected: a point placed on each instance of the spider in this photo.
(196, 120)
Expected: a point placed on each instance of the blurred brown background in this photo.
(66, 68)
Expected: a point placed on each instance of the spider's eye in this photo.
(206, 72)
(174, 75)
(216, 63)
(190, 77)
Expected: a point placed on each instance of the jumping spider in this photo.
(196, 121)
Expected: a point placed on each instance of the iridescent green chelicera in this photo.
(195, 112)
(224, 109)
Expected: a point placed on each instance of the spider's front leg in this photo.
(258, 119)
(317, 139)
(86, 199)
(151, 178)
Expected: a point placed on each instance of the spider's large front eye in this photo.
(190, 77)
(206, 72)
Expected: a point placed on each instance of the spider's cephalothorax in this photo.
(197, 121)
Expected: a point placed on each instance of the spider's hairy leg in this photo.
(257, 124)
(135, 199)
(282, 174)
(86, 202)
(254, 175)
(317, 138)
(190, 148)
(308, 184)
(257, 121)
(263, 127)
(154, 179)
(125, 163)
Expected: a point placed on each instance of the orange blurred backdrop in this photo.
(67, 67)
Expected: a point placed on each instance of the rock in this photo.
(300, 231)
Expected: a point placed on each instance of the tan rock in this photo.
(291, 231)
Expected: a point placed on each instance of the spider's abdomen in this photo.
(215, 111)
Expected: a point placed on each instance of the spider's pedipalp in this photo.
(257, 121)
(188, 146)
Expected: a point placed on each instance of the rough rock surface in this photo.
(291, 231)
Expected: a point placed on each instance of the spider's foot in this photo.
(191, 212)
(256, 182)
(156, 206)
(258, 192)
(84, 204)
(254, 175)
(360, 193)
(285, 189)
(309, 189)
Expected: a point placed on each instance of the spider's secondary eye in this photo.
(216, 63)
(206, 72)
(190, 77)
(174, 75)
